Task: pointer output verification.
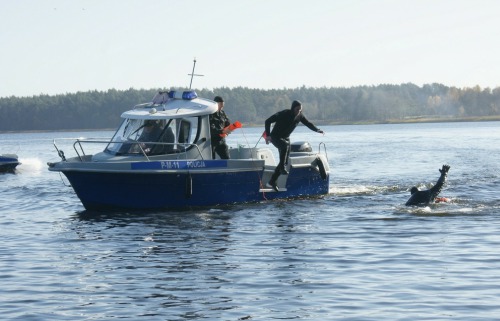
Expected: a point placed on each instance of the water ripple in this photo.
(356, 254)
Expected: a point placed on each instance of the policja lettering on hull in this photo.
(196, 164)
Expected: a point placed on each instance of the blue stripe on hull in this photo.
(167, 190)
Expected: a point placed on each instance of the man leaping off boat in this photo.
(285, 122)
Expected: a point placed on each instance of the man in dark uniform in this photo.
(423, 198)
(150, 133)
(218, 121)
(285, 123)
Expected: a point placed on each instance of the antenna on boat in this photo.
(192, 74)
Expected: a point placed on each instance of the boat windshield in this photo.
(153, 136)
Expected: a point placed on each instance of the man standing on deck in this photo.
(218, 122)
(285, 123)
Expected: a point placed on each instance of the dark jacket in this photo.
(218, 121)
(150, 136)
(423, 198)
(285, 124)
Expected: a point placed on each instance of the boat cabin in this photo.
(174, 122)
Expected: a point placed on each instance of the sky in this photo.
(59, 46)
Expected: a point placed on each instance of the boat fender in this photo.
(189, 186)
(321, 167)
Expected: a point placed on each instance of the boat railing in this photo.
(324, 148)
(80, 151)
(60, 152)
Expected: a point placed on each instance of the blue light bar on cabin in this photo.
(186, 95)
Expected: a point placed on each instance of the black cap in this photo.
(218, 99)
(296, 103)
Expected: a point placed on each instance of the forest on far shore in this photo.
(335, 105)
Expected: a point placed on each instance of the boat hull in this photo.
(8, 163)
(181, 189)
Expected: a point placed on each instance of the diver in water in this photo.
(423, 198)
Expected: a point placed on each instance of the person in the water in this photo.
(424, 198)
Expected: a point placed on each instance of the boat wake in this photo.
(349, 190)
(30, 165)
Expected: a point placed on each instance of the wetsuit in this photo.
(218, 121)
(423, 198)
(285, 123)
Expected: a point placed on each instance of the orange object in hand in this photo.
(442, 200)
(230, 128)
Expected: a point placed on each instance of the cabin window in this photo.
(187, 131)
(155, 137)
(126, 130)
(184, 128)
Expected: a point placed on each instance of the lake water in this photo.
(355, 254)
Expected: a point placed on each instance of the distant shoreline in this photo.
(413, 120)
(409, 120)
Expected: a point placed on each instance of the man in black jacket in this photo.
(219, 121)
(423, 198)
(285, 123)
(151, 132)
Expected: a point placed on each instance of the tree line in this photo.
(381, 103)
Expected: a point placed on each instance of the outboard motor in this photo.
(301, 147)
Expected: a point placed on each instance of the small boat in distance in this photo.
(8, 162)
(174, 169)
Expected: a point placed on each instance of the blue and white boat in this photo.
(8, 162)
(175, 170)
